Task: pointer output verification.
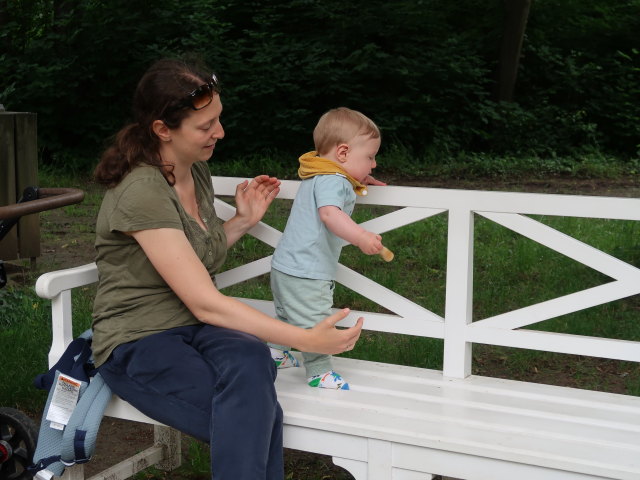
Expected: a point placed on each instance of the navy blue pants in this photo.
(212, 383)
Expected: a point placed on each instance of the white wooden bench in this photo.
(447, 422)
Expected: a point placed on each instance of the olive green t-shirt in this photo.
(132, 300)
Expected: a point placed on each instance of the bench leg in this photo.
(73, 473)
(379, 466)
(356, 468)
(170, 439)
(410, 475)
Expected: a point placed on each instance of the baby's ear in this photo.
(341, 152)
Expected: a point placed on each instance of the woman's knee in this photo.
(236, 354)
(255, 362)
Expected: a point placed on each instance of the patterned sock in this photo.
(283, 358)
(328, 379)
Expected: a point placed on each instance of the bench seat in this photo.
(404, 423)
(397, 421)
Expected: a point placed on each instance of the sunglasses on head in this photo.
(203, 95)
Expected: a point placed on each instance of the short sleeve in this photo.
(332, 190)
(146, 203)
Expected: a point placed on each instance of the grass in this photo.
(396, 159)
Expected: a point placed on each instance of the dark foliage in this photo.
(423, 70)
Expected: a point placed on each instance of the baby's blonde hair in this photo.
(341, 125)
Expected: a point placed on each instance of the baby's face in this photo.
(361, 156)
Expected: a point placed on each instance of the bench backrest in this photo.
(457, 328)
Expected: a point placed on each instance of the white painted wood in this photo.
(379, 461)
(401, 474)
(262, 231)
(459, 299)
(404, 423)
(57, 286)
(51, 284)
(477, 200)
(556, 307)
(129, 467)
(171, 442)
(73, 473)
(557, 342)
(244, 272)
(505, 208)
(546, 427)
(566, 245)
(470, 467)
(356, 468)
(373, 321)
(62, 332)
(383, 296)
(399, 218)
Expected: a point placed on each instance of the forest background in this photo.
(552, 86)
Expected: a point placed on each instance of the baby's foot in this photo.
(284, 358)
(328, 379)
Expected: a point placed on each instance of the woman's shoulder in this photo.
(144, 173)
(144, 176)
(142, 181)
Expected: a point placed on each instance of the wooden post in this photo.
(171, 440)
(18, 170)
(9, 245)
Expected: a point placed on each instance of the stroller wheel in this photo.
(18, 437)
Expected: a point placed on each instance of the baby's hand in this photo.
(370, 243)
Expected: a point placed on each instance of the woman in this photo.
(165, 339)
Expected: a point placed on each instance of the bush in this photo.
(424, 71)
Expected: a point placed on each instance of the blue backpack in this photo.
(61, 446)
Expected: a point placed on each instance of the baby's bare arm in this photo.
(343, 226)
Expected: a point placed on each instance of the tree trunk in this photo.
(516, 15)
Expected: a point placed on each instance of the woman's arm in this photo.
(173, 257)
(342, 225)
(252, 200)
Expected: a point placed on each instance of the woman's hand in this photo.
(252, 200)
(326, 338)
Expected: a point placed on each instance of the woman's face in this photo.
(195, 139)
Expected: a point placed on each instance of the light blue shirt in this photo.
(308, 249)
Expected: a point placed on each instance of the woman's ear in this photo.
(341, 152)
(161, 130)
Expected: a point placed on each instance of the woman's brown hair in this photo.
(158, 96)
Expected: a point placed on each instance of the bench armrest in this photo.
(57, 286)
(51, 284)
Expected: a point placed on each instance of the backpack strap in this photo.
(79, 437)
